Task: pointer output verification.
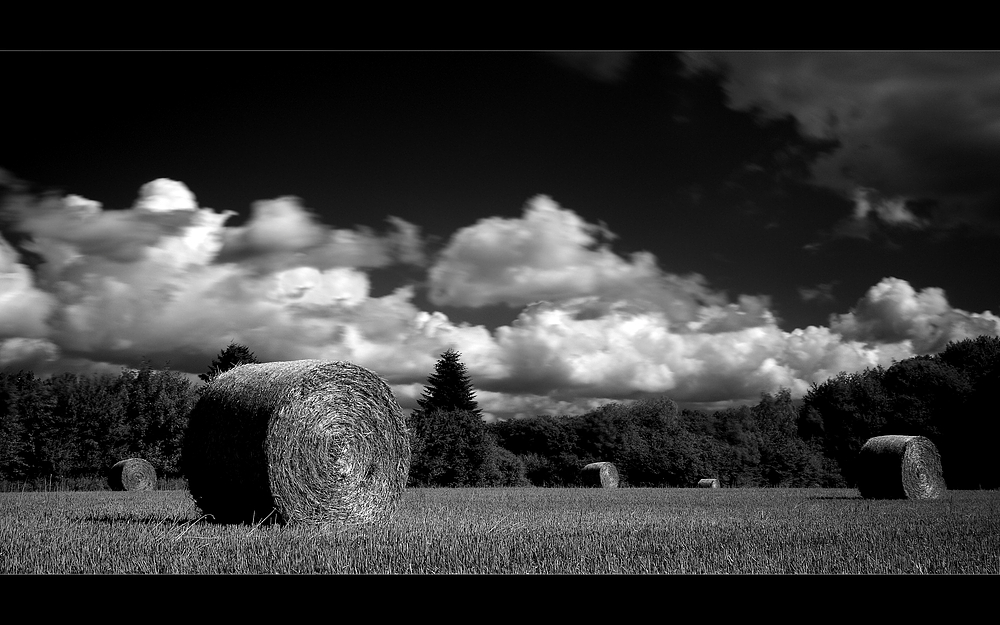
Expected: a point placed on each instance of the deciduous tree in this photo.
(448, 448)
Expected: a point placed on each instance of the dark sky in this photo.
(582, 226)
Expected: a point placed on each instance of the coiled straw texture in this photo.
(132, 474)
(900, 467)
(602, 474)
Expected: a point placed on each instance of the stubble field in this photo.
(517, 531)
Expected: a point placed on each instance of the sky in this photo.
(583, 227)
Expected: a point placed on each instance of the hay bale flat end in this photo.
(600, 474)
(132, 474)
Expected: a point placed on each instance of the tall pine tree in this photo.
(449, 387)
(234, 354)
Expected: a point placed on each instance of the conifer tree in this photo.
(234, 354)
(449, 387)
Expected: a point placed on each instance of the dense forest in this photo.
(73, 426)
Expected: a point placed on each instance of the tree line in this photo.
(651, 442)
(948, 398)
(71, 426)
(75, 426)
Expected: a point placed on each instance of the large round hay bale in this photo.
(311, 441)
(708, 482)
(132, 474)
(600, 474)
(900, 467)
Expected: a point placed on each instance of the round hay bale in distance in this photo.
(600, 474)
(708, 482)
(900, 467)
(312, 441)
(132, 474)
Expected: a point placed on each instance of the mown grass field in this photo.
(517, 531)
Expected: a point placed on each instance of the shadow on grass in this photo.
(117, 519)
(850, 497)
(152, 519)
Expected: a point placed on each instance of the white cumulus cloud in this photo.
(594, 326)
(149, 281)
(550, 254)
(24, 308)
(554, 351)
(163, 194)
(893, 311)
(283, 233)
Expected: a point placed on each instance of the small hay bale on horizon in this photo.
(896, 466)
(600, 474)
(708, 482)
(132, 474)
(311, 441)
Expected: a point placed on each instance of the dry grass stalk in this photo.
(603, 474)
(308, 441)
(132, 474)
(709, 482)
(900, 467)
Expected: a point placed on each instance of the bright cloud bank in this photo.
(83, 288)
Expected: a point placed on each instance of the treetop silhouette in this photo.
(234, 354)
(449, 387)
